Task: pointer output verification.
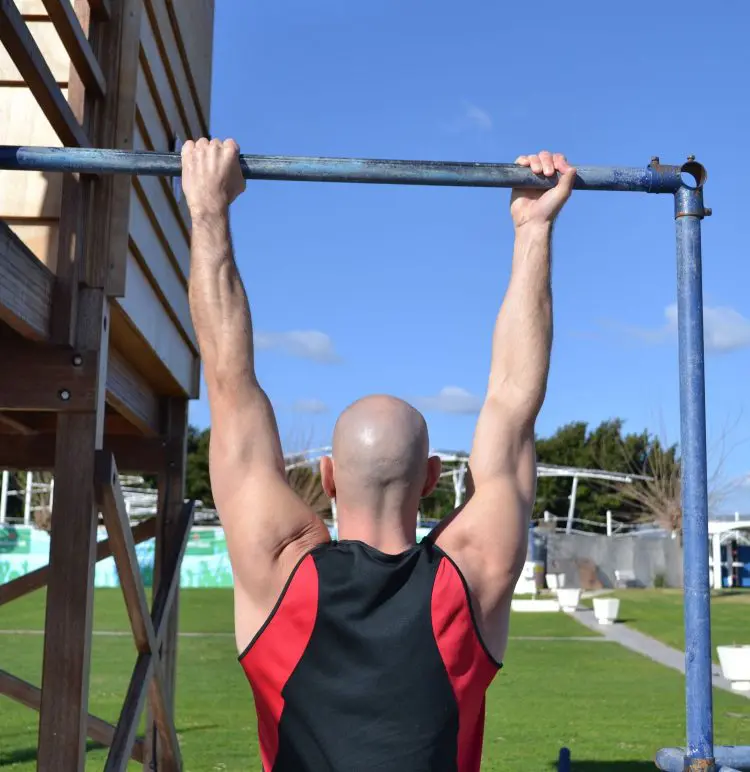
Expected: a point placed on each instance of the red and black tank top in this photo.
(370, 662)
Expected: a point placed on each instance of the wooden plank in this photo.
(27, 194)
(15, 36)
(144, 309)
(112, 503)
(35, 580)
(193, 25)
(116, 518)
(174, 520)
(74, 39)
(101, 10)
(75, 206)
(46, 37)
(138, 351)
(15, 425)
(157, 78)
(31, 696)
(25, 288)
(47, 378)
(130, 394)
(149, 247)
(165, 214)
(123, 127)
(41, 238)
(67, 640)
(151, 135)
(164, 36)
(37, 452)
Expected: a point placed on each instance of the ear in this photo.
(434, 467)
(326, 477)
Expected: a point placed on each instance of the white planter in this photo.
(569, 597)
(735, 665)
(555, 581)
(606, 610)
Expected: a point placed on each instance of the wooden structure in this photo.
(98, 352)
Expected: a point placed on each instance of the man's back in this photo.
(371, 661)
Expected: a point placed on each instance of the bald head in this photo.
(380, 449)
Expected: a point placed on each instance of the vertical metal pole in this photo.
(572, 506)
(4, 497)
(689, 211)
(609, 522)
(458, 485)
(716, 542)
(27, 498)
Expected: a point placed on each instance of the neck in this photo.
(388, 533)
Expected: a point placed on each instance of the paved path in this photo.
(649, 647)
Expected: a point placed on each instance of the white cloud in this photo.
(472, 118)
(313, 406)
(478, 118)
(724, 329)
(305, 344)
(452, 399)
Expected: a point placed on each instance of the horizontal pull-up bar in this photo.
(655, 178)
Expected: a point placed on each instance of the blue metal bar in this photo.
(729, 758)
(689, 211)
(654, 178)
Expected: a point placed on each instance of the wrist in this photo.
(212, 216)
(533, 229)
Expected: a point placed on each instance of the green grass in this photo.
(659, 613)
(611, 707)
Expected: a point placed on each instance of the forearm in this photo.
(218, 303)
(522, 339)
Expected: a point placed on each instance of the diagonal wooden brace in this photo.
(147, 629)
(31, 696)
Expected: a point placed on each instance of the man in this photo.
(372, 652)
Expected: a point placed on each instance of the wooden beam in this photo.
(35, 580)
(131, 395)
(145, 455)
(68, 624)
(173, 524)
(47, 378)
(25, 53)
(82, 56)
(101, 10)
(31, 696)
(112, 503)
(26, 287)
(16, 426)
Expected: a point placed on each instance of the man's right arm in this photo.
(488, 538)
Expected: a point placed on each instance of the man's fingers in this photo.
(535, 164)
(561, 163)
(548, 165)
(522, 160)
(230, 144)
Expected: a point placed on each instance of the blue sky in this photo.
(362, 289)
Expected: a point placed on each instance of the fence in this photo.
(592, 561)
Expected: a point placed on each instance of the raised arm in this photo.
(488, 538)
(267, 526)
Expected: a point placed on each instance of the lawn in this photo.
(611, 707)
(659, 613)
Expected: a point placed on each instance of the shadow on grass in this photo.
(613, 766)
(21, 755)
